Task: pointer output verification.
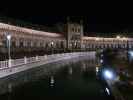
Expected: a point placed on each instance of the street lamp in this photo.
(127, 50)
(118, 37)
(124, 38)
(9, 44)
(97, 39)
(52, 43)
(75, 45)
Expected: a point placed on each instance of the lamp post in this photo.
(127, 46)
(52, 43)
(9, 45)
(97, 39)
(118, 37)
(127, 50)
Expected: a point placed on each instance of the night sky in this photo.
(94, 21)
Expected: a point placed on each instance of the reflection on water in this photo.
(52, 81)
(68, 80)
(70, 70)
(10, 87)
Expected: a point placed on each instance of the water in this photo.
(69, 80)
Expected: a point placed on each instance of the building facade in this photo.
(23, 38)
(74, 35)
(28, 40)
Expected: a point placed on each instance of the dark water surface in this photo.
(75, 80)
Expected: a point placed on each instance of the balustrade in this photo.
(25, 60)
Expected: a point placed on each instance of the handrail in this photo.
(25, 60)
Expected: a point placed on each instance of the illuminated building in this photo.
(28, 40)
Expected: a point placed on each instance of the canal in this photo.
(69, 80)
(121, 61)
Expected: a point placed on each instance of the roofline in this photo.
(28, 30)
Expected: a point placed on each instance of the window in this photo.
(4, 42)
(78, 29)
(13, 44)
(41, 44)
(21, 44)
(28, 44)
(75, 29)
(35, 44)
(47, 45)
(72, 29)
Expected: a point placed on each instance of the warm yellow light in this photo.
(124, 38)
(52, 43)
(118, 37)
(8, 37)
(97, 38)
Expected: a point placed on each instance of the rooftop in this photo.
(27, 30)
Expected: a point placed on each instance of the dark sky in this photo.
(94, 20)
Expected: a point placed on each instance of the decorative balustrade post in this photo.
(9, 63)
(45, 57)
(36, 58)
(25, 60)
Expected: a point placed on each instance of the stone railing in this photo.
(23, 61)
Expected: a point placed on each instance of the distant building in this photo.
(70, 36)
